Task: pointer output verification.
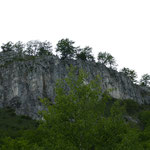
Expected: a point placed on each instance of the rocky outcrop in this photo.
(24, 81)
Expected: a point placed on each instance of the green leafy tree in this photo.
(144, 117)
(145, 80)
(107, 59)
(73, 121)
(85, 54)
(37, 48)
(9, 46)
(31, 48)
(19, 48)
(77, 119)
(66, 49)
(114, 133)
(131, 74)
(102, 57)
(45, 48)
(18, 144)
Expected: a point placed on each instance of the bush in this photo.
(131, 106)
(144, 117)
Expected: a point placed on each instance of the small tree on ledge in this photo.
(131, 74)
(66, 49)
(145, 80)
(85, 54)
(107, 59)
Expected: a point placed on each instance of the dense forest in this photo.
(83, 117)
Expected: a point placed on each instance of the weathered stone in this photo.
(23, 82)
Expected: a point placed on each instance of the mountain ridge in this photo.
(24, 81)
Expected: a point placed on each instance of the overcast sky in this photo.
(120, 27)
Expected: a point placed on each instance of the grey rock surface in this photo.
(23, 82)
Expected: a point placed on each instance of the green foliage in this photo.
(145, 80)
(131, 107)
(107, 59)
(19, 48)
(102, 57)
(144, 137)
(18, 144)
(45, 48)
(144, 117)
(12, 144)
(31, 48)
(85, 54)
(38, 48)
(7, 47)
(66, 48)
(78, 121)
(82, 118)
(12, 125)
(73, 121)
(131, 74)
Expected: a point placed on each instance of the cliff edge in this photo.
(24, 81)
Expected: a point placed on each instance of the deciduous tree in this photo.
(7, 47)
(131, 74)
(66, 49)
(145, 80)
(85, 54)
(107, 59)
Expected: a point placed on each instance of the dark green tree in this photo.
(73, 121)
(31, 48)
(45, 48)
(77, 119)
(102, 57)
(107, 59)
(145, 80)
(19, 48)
(9, 46)
(66, 49)
(131, 74)
(85, 54)
(37, 48)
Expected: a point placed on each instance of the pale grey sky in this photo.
(120, 27)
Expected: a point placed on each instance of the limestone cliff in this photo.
(23, 82)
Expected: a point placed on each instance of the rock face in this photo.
(23, 82)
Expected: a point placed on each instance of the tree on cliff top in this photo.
(145, 80)
(66, 48)
(37, 48)
(131, 74)
(7, 47)
(107, 59)
(85, 54)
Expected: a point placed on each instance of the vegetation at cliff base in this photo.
(83, 118)
(14, 126)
